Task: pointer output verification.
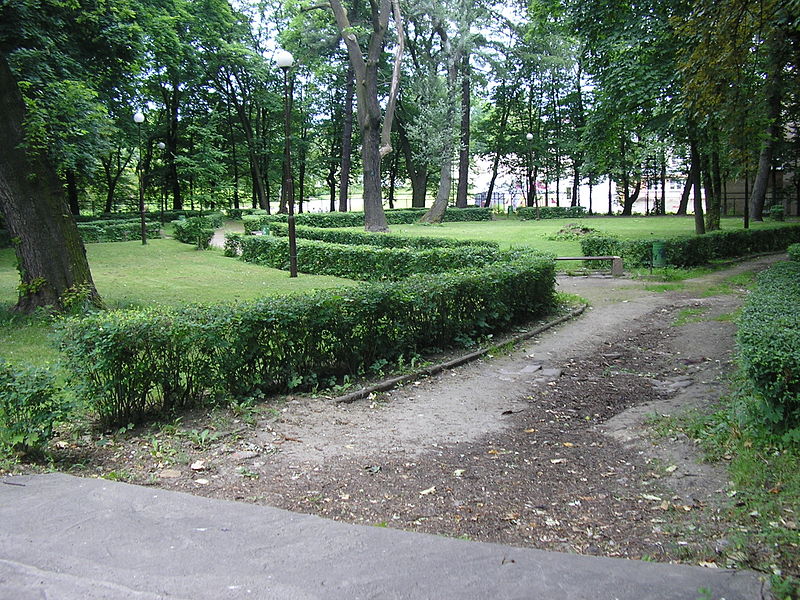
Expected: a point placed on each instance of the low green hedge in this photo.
(238, 213)
(128, 364)
(690, 251)
(794, 252)
(30, 406)
(400, 216)
(364, 238)
(169, 215)
(365, 263)
(118, 230)
(529, 213)
(197, 230)
(769, 346)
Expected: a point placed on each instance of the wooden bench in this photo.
(616, 262)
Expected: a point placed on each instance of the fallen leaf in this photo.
(569, 444)
(201, 481)
(198, 465)
(428, 492)
(651, 497)
(708, 565)
(558, 461)
(671, 468)
(530, 431)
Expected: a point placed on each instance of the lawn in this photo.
(539, 234)
(128, 275)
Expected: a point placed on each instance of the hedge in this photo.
(529, 213)
(197, 230)
(169, 215)
(364, 238)
(689, 251)
(365, 263)
(118, 230)
(129, 364)
(794, 252)
(401, 216)
(769, 346)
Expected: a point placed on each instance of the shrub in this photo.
(769, 345)
(30, 405)
(233, 244)
(197, 230)
(794, 252)
(530, 213)
(361, 238)
(689, 251)
(776, 213)
(365, 263)
(118, 231)
(400, 216)
(168, 215)
(130, 364)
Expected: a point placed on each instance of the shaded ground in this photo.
(546, 446)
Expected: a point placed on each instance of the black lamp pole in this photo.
(138, 118)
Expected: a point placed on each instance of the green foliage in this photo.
(197, 230)
(169, 215)
(776, 213)
(118, 230)
(529, 213)
(364, 263)
(30, 405)
(689, 251)
(131, 364)
(254, 223)
(794, 252)
(769, 347)
(363, 238)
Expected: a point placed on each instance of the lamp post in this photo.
(138, 118)
(528, 168)
(285, 60)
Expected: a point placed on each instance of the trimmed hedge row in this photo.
(364, 238)
(364, 263)
(197, 230)
(689, 251)
(402, 216)
(169, 215)
(529, 213)
(118, 231)
(769, 346)
(128, 364)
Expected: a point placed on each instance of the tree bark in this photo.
(699, 223)
(72, 191)
(463, 155)
(50, 252)
(687, 192)
(347, 142)
(418, 174)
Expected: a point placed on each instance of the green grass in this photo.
(129, 275)
(514, 233)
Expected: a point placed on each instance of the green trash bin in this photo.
(659, 255)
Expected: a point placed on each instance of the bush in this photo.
(363, 238)
(769, 345)
(118, 230)
(690, 251)
(776, 213)
(794, 252)
(400, 216)
(530, 213)
(130, 364)
(197, 230)
(365, 263)
(30, 405)
(168, 215)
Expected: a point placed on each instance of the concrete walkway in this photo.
(68, 538)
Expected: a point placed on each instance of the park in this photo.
(436, 285)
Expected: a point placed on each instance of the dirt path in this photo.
(546, 446)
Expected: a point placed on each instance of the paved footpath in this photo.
(68, 538)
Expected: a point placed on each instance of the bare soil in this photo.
(546, 446)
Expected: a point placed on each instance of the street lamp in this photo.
(285, 60)
(138, 118)
(528, 169)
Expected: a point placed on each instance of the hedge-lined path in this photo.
(545, 447)
(218, 241)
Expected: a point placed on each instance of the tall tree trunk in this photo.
(699, 223)
(505, 111)
(347, 141)
(418, 174)
(683, 206)
(72, 191)
(610, 197)
(774, 92)
(171, 103)
(463, 155)
(49, 249)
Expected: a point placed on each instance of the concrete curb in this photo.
(388, 384)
